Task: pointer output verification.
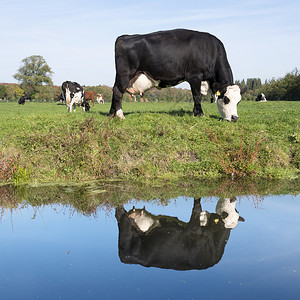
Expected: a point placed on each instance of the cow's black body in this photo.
(24, 98)
(171, 57)
(173, 244)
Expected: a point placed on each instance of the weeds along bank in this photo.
(41, 142)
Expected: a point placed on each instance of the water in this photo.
(54, 251)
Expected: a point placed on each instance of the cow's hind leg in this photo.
(195, 84)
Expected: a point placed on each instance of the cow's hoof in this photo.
(199, 115)
(120, 114)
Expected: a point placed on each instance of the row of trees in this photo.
(50, 93)
(250, 83)
(14, 92)
(34, 77)
(10, 91)
(285, 88)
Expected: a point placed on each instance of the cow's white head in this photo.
(227, 102)
(226, 209)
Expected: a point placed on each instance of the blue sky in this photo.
(76, 38)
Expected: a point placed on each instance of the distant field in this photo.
(43, 142)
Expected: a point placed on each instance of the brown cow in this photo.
(90, 95)
(100, 98)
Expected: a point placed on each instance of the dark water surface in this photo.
(54, 251)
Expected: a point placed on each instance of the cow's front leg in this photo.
(116, 103)
(71, 105)
(195, 84)
(121, 83)
(194, 222)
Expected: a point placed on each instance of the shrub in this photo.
(11, 169)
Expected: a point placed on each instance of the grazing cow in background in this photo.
(90, 95)
(73, 94)
(60, 99)
(100, 99)
(24, 98)
(86, 106)
(132, 97)
(166, 58)
(261, 98)
(166, 242)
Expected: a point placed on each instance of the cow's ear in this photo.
(218, 88)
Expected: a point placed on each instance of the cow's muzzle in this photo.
(234, 118)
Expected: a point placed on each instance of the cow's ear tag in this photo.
(218, 93)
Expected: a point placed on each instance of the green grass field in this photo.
(42, 142)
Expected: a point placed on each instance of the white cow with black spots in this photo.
(73, 94)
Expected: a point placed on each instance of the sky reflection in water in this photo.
(52, 252)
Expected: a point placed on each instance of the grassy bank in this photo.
(41, 142)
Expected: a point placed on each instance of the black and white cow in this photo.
(24, 98)
(166, 58)
(73, 94)
(166, 242)
(60, 98)
(261, 98)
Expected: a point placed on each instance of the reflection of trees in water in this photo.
(246, 189)
(59, 208)
(68, 200)
(8, 199)
(90, 198)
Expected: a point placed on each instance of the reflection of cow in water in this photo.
(166, 242)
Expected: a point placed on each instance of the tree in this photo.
(34, 73)
(18, 92)
(286, 88)
(10, 92)
(2, 91)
